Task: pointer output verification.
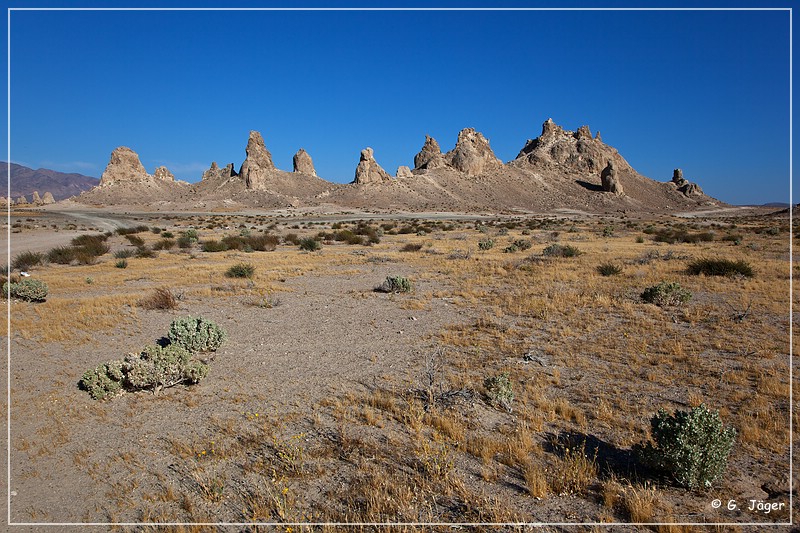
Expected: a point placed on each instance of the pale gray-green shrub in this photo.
(196, 334)
(499, 391)
(104, 381)
(159, 367)
(32, 290)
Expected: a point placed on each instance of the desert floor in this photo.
(331, 402)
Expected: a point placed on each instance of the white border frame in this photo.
(432, 524)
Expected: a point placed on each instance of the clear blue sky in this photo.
(706, 91)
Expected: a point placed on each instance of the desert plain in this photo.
(334, 406)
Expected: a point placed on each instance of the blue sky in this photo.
(706, 91)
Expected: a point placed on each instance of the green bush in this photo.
(692, 446)
(124, 253)
(559, 250)
(720, 267)
(104, 381)
(164, 244)
(499, 391)
(310, 245)
(241, 270)
(213, 245)
(666, 293)
(196, 334)
(485, 244)
(122, 263)
(395, 284)
(159, 367)
(32, 290)
(62, 255)
(25, 260)
(135, 240)
(609, 269)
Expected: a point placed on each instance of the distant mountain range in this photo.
(25, 180)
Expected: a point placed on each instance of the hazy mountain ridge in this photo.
(24, 181)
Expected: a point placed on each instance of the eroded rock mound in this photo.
(403, 172)
(303, 164)
(123, 167)
(369, 171)
(162, 173)
(685, 186)
(48, 198)
(216, 174)
(430, 156)
(472, 154)
(572, 151)
(258, 164)
(610, 180)
(36, 200)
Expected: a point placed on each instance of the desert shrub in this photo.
(720, 267)
(485, 244)
(609, 269)
(692, 446)
(673, 236)
(167, 235)
(161, 299)
(241, 270)
(159, 367)
(164, 244)
(511, 248)
(135, 240)
(666, 293)
(31, 290)
(523, 244)
(310, 245)
(263, 243)
(411, 247)
(395, 284)
(156, 230)
(25, 260)
(560, 250)
(122, 263)
(104, 381)
(144, 252)
(734, 239)
(185, 242)
(213, 245)
(124, 253)
(196, 334)
(291, 238)
(62, 255)
(499, 391)
(90, 240)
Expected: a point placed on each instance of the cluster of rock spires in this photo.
(45, 199)
(566, 164)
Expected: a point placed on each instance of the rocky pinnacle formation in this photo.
(610, 180)
(36, 200)
(472, 154)
(303, 164)
(685, 186)
(403, 172)
(430, 156)
(218, 175)
(163, 173)
(258, 163)
(369, 171)
(48, 198)
(123, 167)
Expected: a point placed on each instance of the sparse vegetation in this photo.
(241, 270)
(499, 391)
(196, 334)
(395, 284)
(310, 245)
(160, 299)
(560, 250)
(31, 290)
(609, 269)
(720, 267)
(666, 294)
(26, 260)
